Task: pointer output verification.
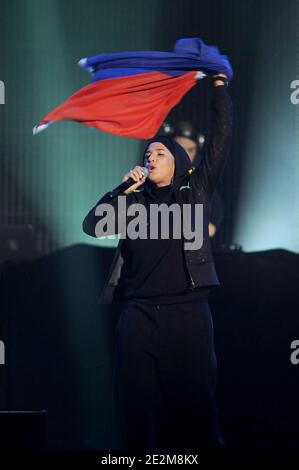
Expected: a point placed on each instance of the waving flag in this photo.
(132, 92)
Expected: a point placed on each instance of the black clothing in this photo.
(165, 376)
(154, 269)
(165, 364)
(216, 204)
(192, 188)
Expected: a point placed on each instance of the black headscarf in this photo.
(182, 165)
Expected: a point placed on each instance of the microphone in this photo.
(125, 185)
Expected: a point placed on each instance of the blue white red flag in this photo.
(131, 93)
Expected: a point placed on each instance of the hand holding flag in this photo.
(132, 92)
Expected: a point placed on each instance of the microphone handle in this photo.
(121, 188)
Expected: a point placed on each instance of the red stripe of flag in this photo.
(131, 106)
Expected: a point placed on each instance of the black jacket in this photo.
(196, 187)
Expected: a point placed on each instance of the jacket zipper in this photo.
(192, 281)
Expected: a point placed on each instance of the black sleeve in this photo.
(91, 220)
(209, 170)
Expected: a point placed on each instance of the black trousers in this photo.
(165, 376)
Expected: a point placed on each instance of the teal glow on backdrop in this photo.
(53, 179)
(63, 172)
(268, 211)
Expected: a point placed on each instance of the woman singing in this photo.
(165, 363)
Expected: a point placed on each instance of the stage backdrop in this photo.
(50, 181)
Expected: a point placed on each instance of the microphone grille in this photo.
(145, 171)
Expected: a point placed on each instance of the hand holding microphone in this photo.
(131, 181)
(135, 178)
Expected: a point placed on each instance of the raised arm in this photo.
(208, 172)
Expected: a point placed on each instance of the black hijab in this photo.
(182, 165)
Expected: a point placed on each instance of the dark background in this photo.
(58, 339)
